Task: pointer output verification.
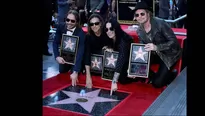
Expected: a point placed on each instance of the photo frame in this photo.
(69, 48)
(125, 11)
(96, 63)
(109, 64)
(139, 61)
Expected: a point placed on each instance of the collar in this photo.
(72, 30)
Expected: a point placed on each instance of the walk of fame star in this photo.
(87, 102)
(69, 44)
(95, 63)
(111, 60)
(139, 54)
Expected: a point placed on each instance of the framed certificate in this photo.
(109, 64)
(69, 48)
(139, 61)
(96, 63)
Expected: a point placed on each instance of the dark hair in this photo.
(119, 33)
(76, 14)
(95, 15)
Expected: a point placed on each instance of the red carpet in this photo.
(142, 95)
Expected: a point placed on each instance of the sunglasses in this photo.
(70, 20)
(96, 23)
(111, 29)
(137, 15)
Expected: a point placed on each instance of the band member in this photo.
(161, 41)
(70, 27)
(121, 42)
(96, 40)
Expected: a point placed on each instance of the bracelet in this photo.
(116, 77)
(113, 81)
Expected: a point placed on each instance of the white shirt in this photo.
(69, 32)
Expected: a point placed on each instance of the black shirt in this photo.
(94, 45)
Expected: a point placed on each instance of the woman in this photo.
(71, 27)
(121, 42)
(95, 41)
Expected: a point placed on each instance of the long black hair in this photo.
(119, 33)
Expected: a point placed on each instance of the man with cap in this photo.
(158, 38)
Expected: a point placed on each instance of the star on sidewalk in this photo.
(91, 98)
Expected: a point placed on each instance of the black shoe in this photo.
(47, 54)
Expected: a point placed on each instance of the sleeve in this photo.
(169, 36)
(87, 56)
(79, 57)
(123, 56)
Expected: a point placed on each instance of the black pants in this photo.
(64, 68)
(163, 76)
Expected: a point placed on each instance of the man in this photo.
(161, 41)
(71, 27)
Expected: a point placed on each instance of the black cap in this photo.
(142, 5)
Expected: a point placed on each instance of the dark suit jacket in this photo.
(62, 29)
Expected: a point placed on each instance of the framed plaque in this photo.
(96, 63)
(69, 48)
(125, 10)
(109, 64)
(139, 61)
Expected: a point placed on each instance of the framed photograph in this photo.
(69, 48)
(139, 61)
(96, 63)
(125, 11)
(109, 64)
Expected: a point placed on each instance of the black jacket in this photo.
(168, 47)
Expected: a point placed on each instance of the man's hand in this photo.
(74, 78)
(60, 60)
(88, 81)
(113, 87)
(150, 47)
